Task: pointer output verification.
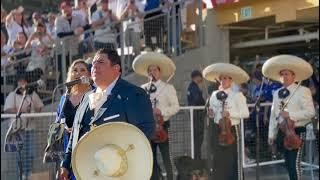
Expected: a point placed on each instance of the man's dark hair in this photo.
(196, 73)
(112, 56)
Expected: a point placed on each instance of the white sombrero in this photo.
(272, 67)
(144, 60)
(113, 151)
(237, 74)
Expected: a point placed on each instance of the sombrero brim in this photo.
(272, 67)
(143, 61)
(140, 159)
(212, 72)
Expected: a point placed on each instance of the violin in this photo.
(291, 139)
(225, 136)
(160, 134)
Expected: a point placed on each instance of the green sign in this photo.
(246, 12)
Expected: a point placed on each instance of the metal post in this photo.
(123, 67)
(174, 30)
(192, 132)
(169, 26)
(64, 61)
(200, 23)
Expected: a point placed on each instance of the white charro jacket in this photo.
(235, 103)
(167, 100)
(300, 108)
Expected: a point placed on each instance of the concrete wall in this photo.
(216, 49)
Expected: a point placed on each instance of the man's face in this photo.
(103, 71)
(154, 71)
(287, 77)
(198, 79)
(22, 83)
(225, 81)
(66, 9)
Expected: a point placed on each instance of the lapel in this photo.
(114, 94)
(83, 107)
(78, 118)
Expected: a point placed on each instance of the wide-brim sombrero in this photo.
(272, 67)
(237, 74)
(139, 159)
(143, 61)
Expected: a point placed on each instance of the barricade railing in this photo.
(181, 134)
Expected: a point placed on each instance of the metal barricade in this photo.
(34, 143)
(181, 134)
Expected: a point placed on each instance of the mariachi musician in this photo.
(227, 108)
(292, 107)
(164, 99)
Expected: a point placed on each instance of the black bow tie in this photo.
(222, 96)
(283, 93)
(152, 88)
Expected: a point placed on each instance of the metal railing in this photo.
(181, 134)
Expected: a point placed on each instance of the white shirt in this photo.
(13, 29)
(300, 108)
(105, 33)
(31, 103)
(135, 23)
(235, 104)
(96, 104)
(166, 98)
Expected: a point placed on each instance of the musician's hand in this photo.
(156, 111)
(69, 130)
(64, 173)
(210, 113)
(225, 114)
(270, 141)
(284, 114)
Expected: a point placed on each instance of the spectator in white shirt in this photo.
(50, 25)
(104, 36)
(16, 23)
(132, 25)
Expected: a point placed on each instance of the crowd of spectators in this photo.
(41, 42)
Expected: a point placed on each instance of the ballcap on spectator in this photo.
(146, 58)
(124, 153)
(196, 73)
(214, 71)
(273, 66)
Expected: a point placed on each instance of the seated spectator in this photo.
(16, 23)
(104, 36)
(41, 43)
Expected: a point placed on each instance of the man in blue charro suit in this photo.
(114, 99)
